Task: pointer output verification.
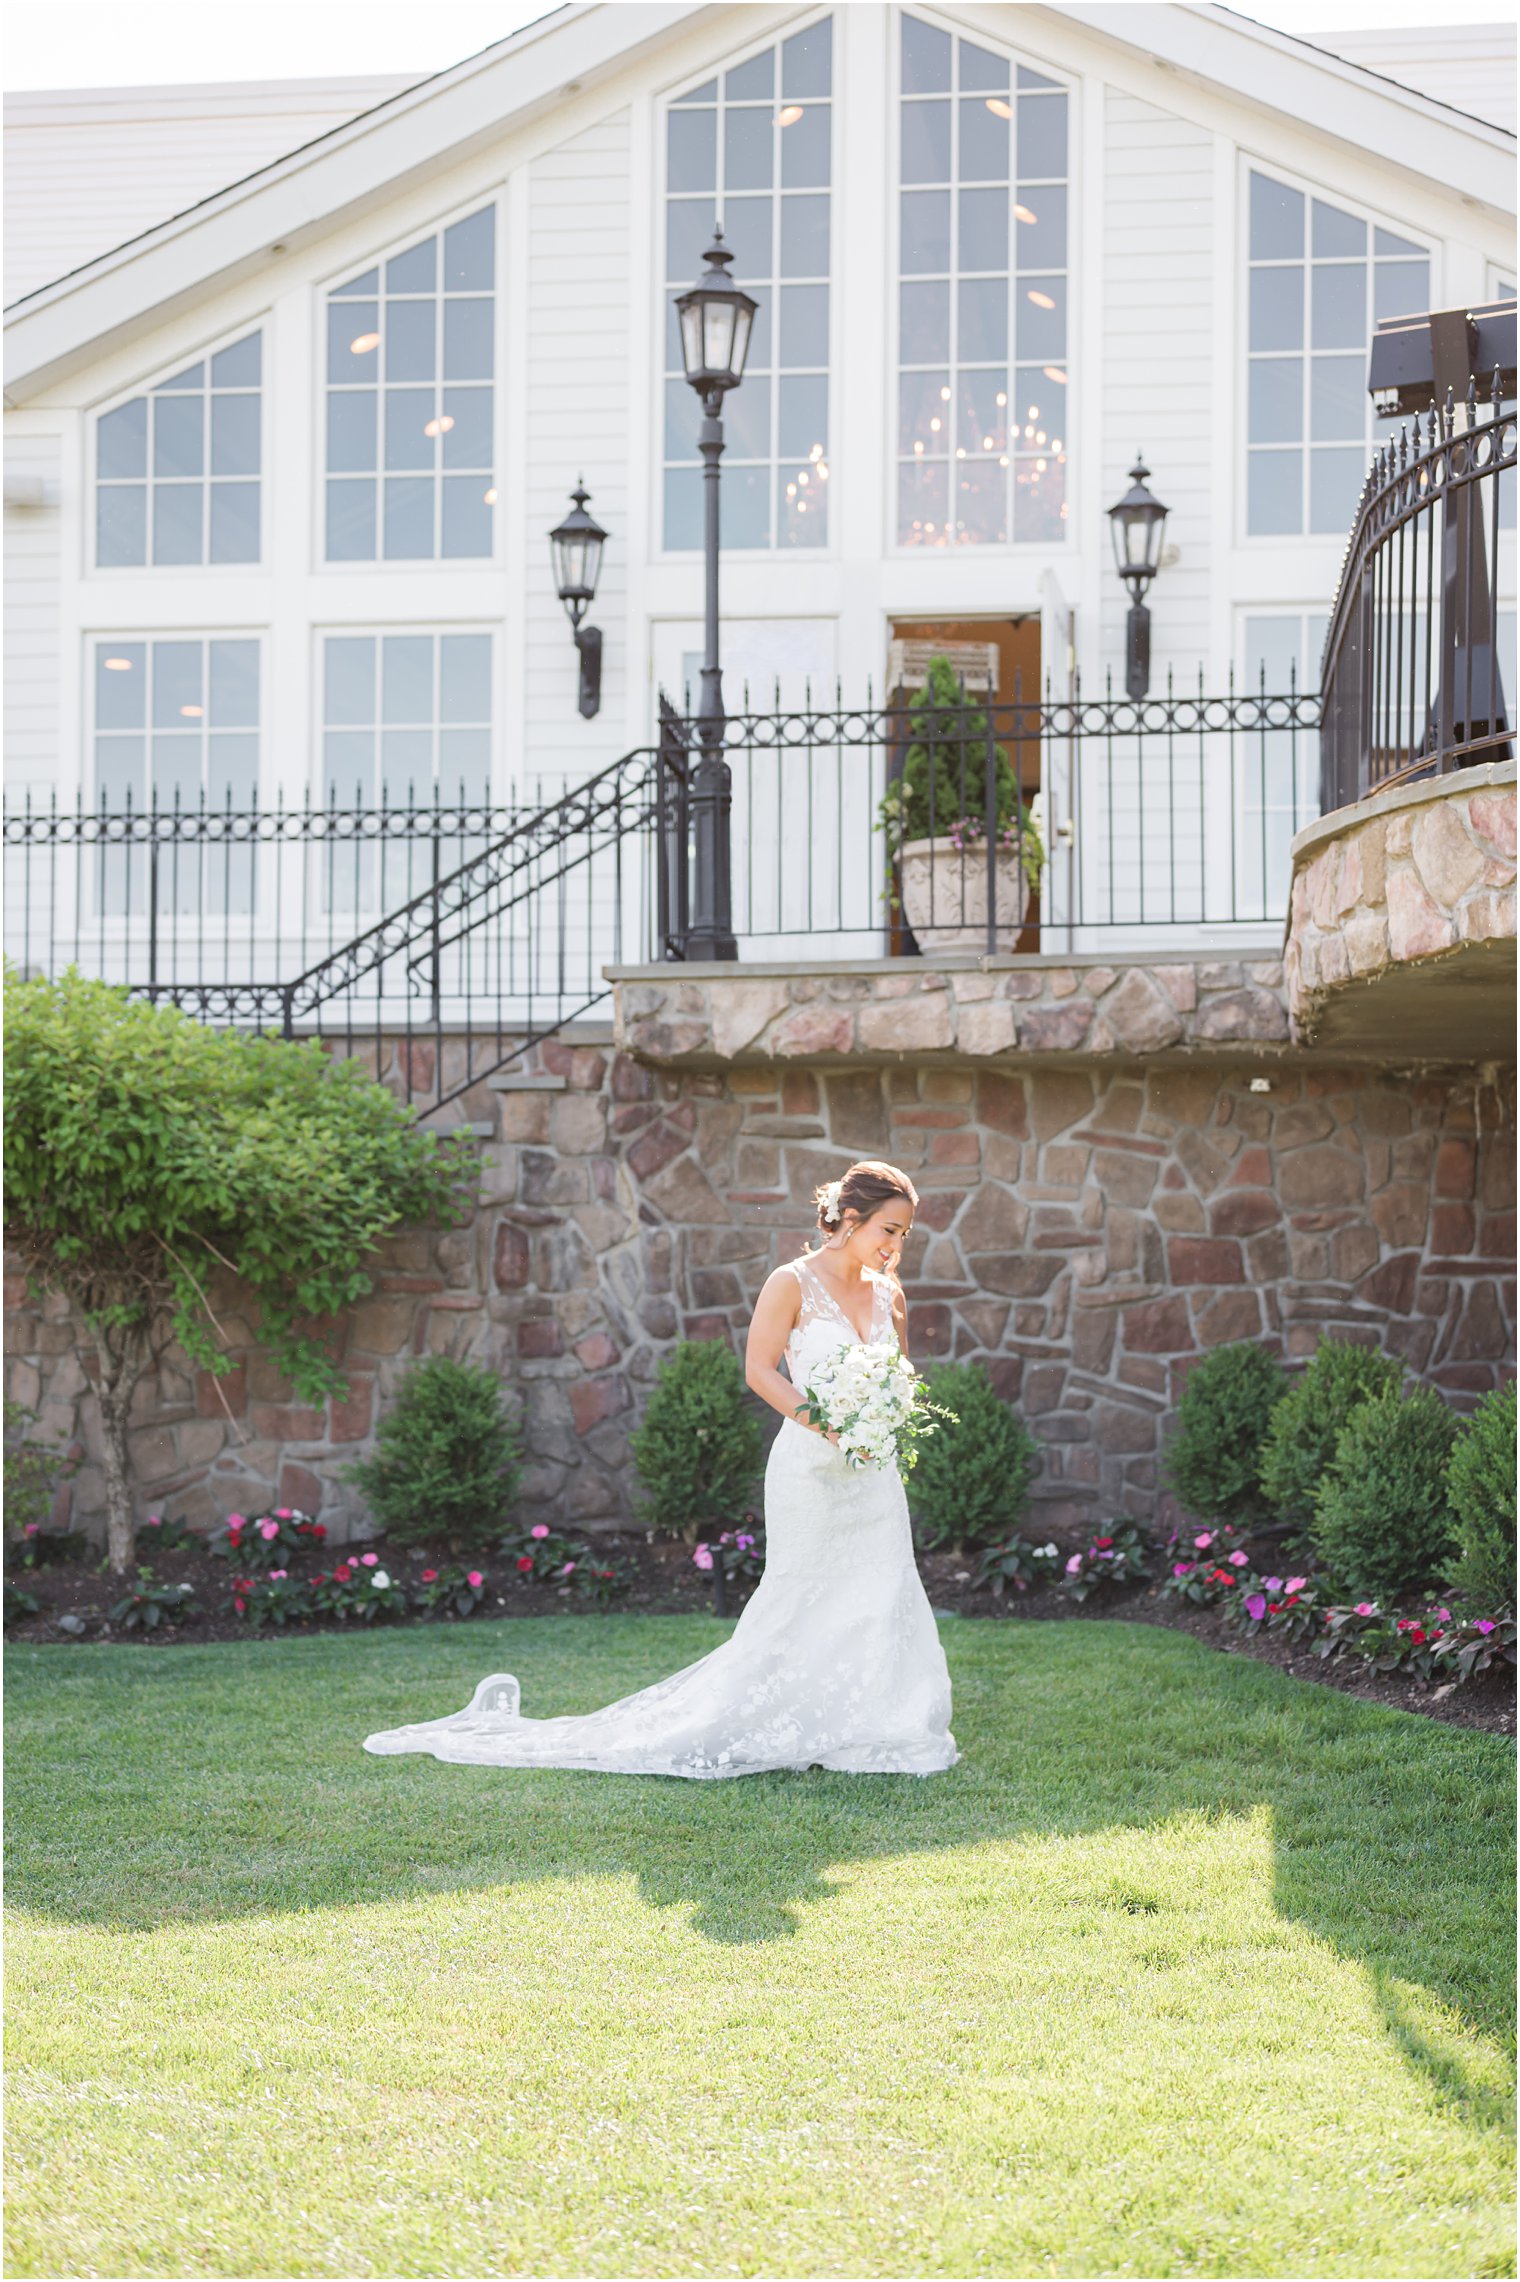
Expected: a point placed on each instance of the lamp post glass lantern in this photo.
(716, 318)
(576, 548)
(1137, 524)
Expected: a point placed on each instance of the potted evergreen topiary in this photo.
(935, 816)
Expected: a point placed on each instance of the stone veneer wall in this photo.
(1096, 1213)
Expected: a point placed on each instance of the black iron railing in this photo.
(1414, 680)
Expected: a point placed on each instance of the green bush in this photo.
(944, 776)
(33, 1471)
(698, 1451)
(1213, 1461)
(1382, 1514)
(1306, 1425)
(1480, 1482)
(447, 1459)
(971, 1483)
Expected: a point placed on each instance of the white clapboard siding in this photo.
(1471, 66)
(87, 169)
(577, 425)
(32, 620)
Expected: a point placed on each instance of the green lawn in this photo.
(1187, 1969)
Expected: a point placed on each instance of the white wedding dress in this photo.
(835, 1662)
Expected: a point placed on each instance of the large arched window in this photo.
(752, 149)
(982, 314)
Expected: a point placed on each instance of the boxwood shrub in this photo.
(1481, 1483)
(447, 1459)
(1306, 1425)
(1382, 1514)
(697, 1452)
(971, 1483)
(1213, 1460)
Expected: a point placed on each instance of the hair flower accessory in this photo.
(830, 1201)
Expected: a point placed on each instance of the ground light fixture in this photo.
(576, 546)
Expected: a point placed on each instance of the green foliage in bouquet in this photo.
(971, 1483)
(1382, 1514)
(942, 791)
(1306, 1425)
(1213, 1461)
(697, 1452)
(1481, 1484)
(447, 1460)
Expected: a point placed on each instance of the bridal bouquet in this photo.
(874, 1400)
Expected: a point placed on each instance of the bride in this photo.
(835, 1661)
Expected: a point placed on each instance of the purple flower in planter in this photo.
(1256, 1607)
(1484, 1624)
(1271, 1584)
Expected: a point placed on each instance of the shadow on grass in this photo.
(207, 1784)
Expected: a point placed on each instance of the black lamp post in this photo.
(1137, 524)
(716, 318)
(576, 545)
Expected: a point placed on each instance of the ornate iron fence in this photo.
(1414, 679)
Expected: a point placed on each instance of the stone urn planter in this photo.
(944, 895)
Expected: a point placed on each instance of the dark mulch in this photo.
(664, 1581)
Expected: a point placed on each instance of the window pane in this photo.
(925, 58)
(683, 508)
(406, 763)
(923, 490)
(983, 319)
(466, 517)
(751, 82)
(983, 142)
(706, 93)
(177, 693)
(234, 435)
(1338, 299)
(801, 509)
(469, 253)
(121, 772)
(176, 784)
(804, 416)
(408, 416)
(349, 678)
(233, 685)
(406, 678)
(1039, 502)
(1400, 288)
(410, 348)
(1042, 319)
(804, 325)
(926, 142)
(689, 225)
(747, 228)
(1335, 485)
(232, 779)
(178, 422)
(925, 324)
(1277, 309)
(415, 271)
(1272, 653)
(121, 440)
(193, 376)
(178, 509)
(1384, 242)
(984, 229)
(747, 137)
(241, 366)
(465, 674)
(683, 415)
(1277, 220)
(408, 517)
(358, 288)
(351, 430)
(353, 340)
(807, 62)
(351, 521)
(1337, 398)
(980, 68)
(1042, 137)
(234, 522)
(746, 420)
(804, 237)
(469, 352)
(692, 150)
(981, 502)
(1041, 218)
(1333, 233)
(121, 524)
(761, 351)
(805, 150)
(982, 411)
(1274, 493)
(926, 232)
(1277, 400)
(121, 685)
(467, 444)
(747, 507)
(464, 765)
(923, 412)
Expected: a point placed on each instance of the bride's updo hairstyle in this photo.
(864, 1189)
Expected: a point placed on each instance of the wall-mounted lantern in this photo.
(1137, 523)
(576, 545)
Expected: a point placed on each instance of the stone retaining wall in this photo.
(1090, 1223)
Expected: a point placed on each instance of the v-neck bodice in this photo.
(823, 1316)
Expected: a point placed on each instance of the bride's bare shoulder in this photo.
(783, 1284)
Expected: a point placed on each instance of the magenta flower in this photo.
(282, 1513)
(1074, 1564)
(31, 1529)
(268, 1529)
(277, 1573)
(1444, 1614)
(234, 1521)
(1256, 1607)
(744, 1541)
(703, 1557)
(1237, 1559)
(1366, 1608)
(1181, 1568)
(568, 1570)
(1271, 1584)
(1297, 1584)
(1484, 1624)
(368, 1560)
(1205, 1540)
(474, 1578)
(539, 1529)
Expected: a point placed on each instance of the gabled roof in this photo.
(305, 194)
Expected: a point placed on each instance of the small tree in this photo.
(697, 1452)
(1306, 1425)
(1481, 1483)
(447, 1460)
(943, 786)
(144, 1151)
(971, 1482)
(1213, 1461)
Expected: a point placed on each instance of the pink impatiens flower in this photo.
(369, 1559)
(1181, 1568)
(282, 1513)
(474, 1578)
(1272, 1584)
(1256, 1607)
(1297, 1584)
(702, 1557)
(539, 1529)
(430, 1576)
(1074, 1564)
(568, 1570)
(268, 1529)
(1483, 1624)
(1238, 1559)
(275, 1574)
(1365, 1608)
(1205, 1540)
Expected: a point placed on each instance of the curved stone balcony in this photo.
(1401, 928)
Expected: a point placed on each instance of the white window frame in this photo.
(260, 323)
(1053, 551)
(1249, 162)
(835, 453)
(372, 257)
(377, 630)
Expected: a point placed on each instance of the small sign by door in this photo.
(976, 663)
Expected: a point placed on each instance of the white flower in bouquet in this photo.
(874, 1400)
